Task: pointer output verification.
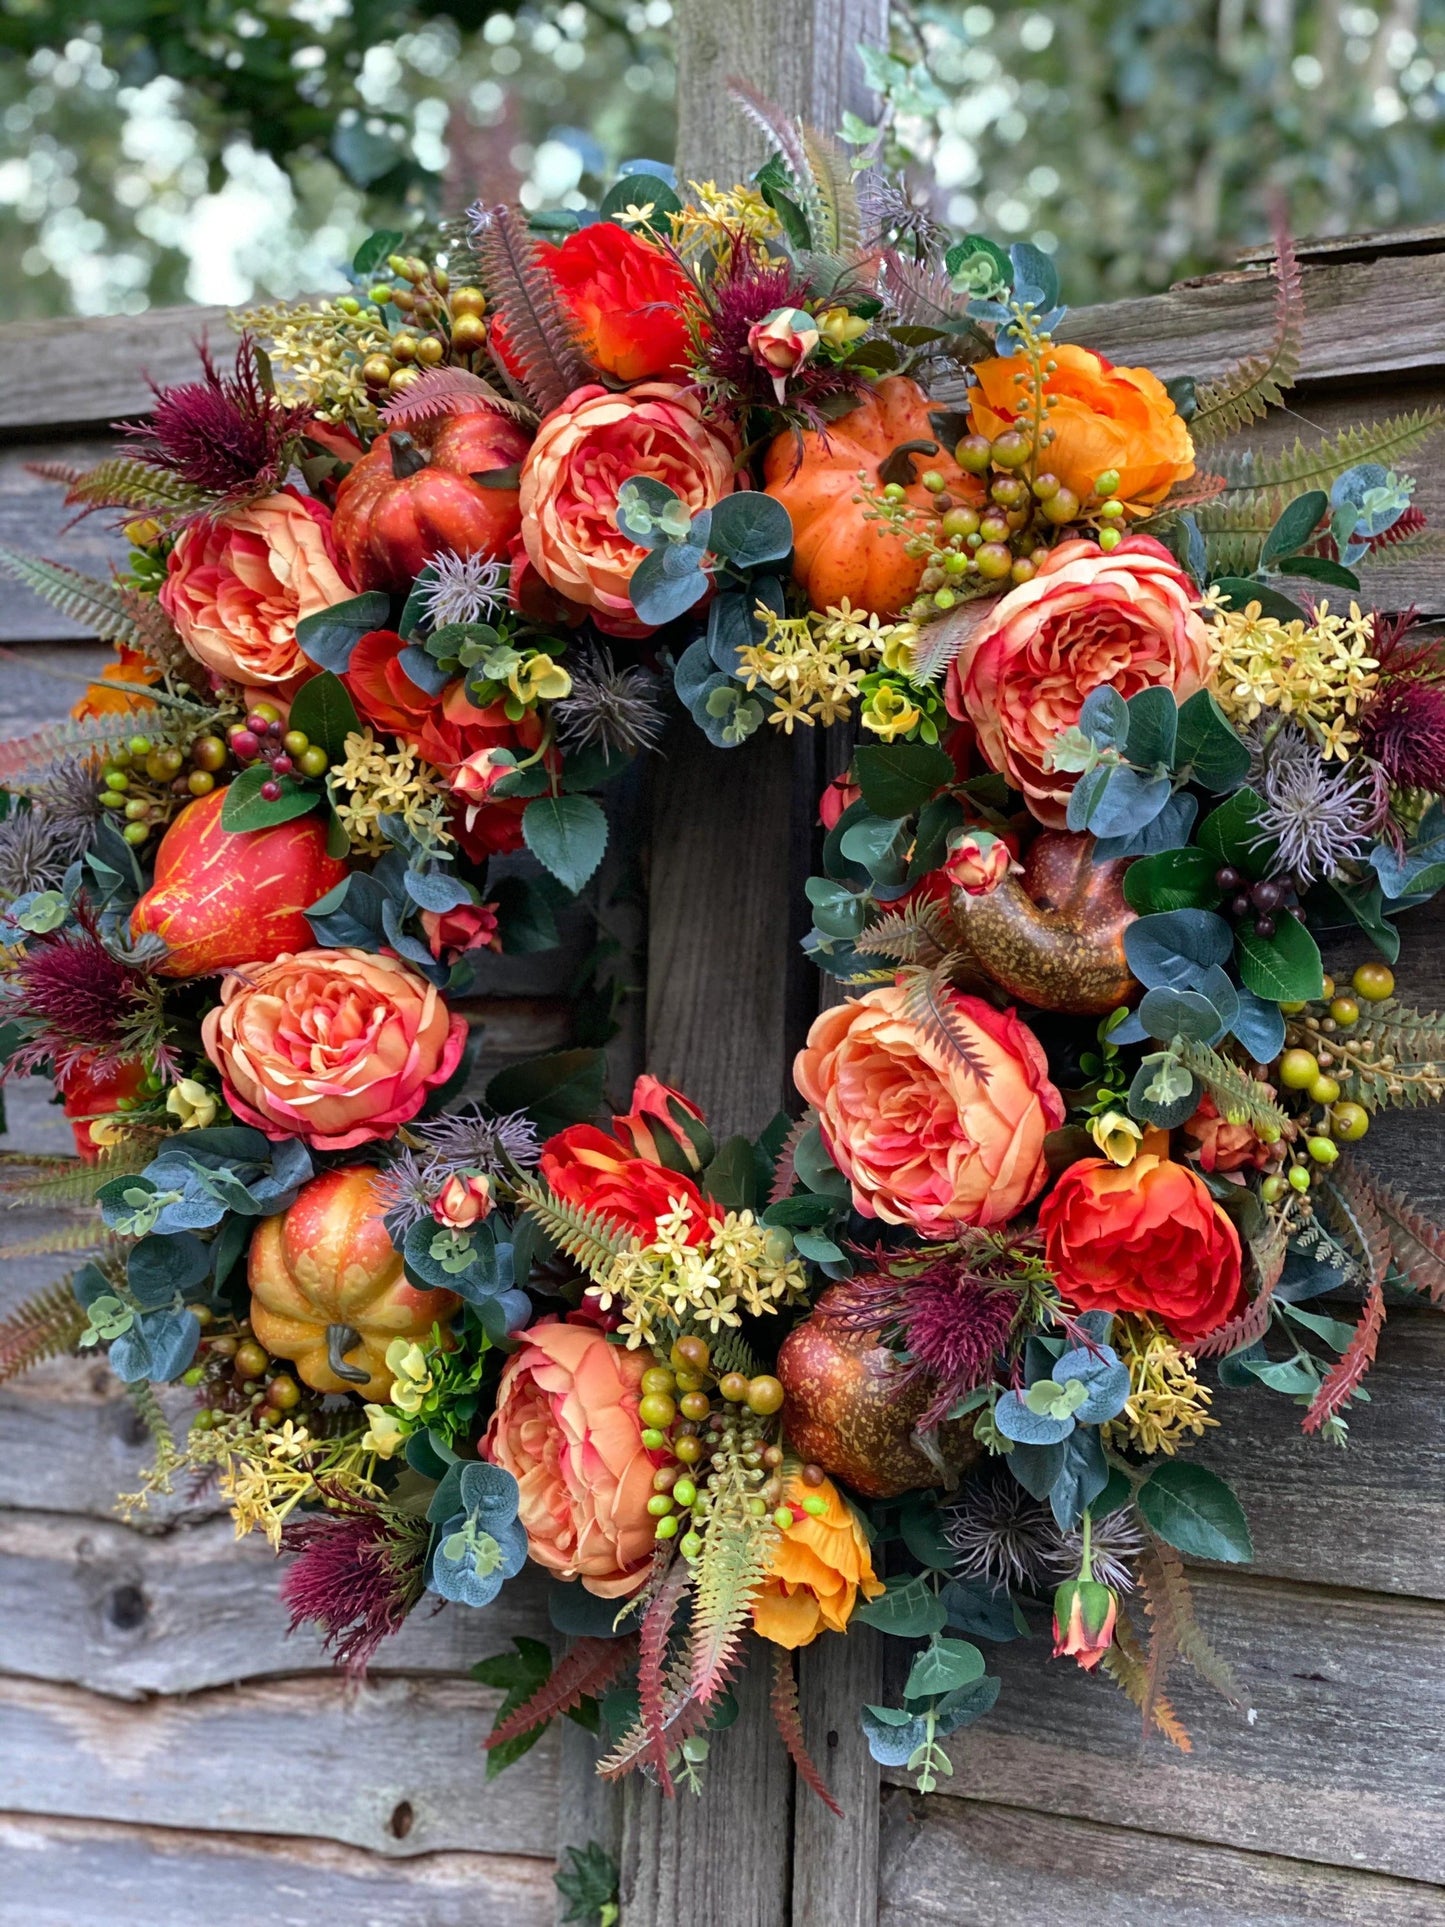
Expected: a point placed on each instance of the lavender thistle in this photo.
(456, 1142)
(1001, 1533)
(611, 708)
(465, 588)
(1319, 820)
(32, 857)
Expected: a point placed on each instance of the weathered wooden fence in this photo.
(167, 1755)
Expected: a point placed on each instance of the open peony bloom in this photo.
(236, 587)
(584, 452)
(1145, 1237)
(566, 1428)
(925, 1138)
(334, 1046)
(630, 300)
(818, 1569)
(1127, 618)
(589, 1167)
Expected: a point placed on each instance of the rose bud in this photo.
(1084, 1615)
(840, 795)
(468, 926)
(781, 342)
(977, 861)
(481, 772)
(464, 1201)
(665, 1127)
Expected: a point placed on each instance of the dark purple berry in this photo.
(1266, 895)
(271, 792)
(1227, 879)
(1297, 913)
(1239, 907)
(1264, 926)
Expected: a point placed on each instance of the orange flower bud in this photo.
(1084, 1615)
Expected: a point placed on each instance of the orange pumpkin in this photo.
(837, 551)
(414, 495)
(328, 1290)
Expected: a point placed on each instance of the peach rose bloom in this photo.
(566, 1428)
(585, 450)
(334, 1046)
(818, 1569)
(1128, 618)
(236, 588)
(924, 1138)
(1102, 417)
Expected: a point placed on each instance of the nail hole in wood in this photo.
(400, 1823)
(125, 1608)
(833, 1737)
(131, 1427)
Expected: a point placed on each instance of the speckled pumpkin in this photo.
(328, 1290)
(1054, 937)
(837, 551)
(844, 1410)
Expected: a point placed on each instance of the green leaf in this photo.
(750, 530)
(908, 1610)
(732, 1177)
(1153, 726)
(1196, 1512)
(1229, 833)
(245, 808)
(563, 1087)
(1285, 968)
(328, 637)
(1319, 568)
(567, 835)
(324, 711)
(374, 250)
(1242, 590)
(1172, 880)
(642, 190)
(1207, 746)
(1295, 525)
(942, 1666)
(898, 778)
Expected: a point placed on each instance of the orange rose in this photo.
(1101, 418)
(591, 1168)
(1128, 618)
(818, 1569)
(566, 1428)
(236, 587)
(334, 1046)
(925, 1138)
(629, 300)
(1146, 1237)
(585, 450)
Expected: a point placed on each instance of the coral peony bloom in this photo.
(1145, 1236)
(334, 1046)
(585, 450)
(818, 1569)
(629, 300)
(1128, 618)
(566, 1428)
(236, 588)
(590, 1167)
(1101, 418)
(925, 1138)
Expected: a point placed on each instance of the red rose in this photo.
(589, 1167)
(470, 926)
(1143, 1237)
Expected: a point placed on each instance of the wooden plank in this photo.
(835, 1861)
(1342, 1761)
(94, 1603)
(70, 1440)
(71, 1873)
(394, 1766)
(71, 370)
(1015, 1866)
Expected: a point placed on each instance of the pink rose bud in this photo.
(481, 772)
(470, 926)
(464, 1201)
(977, 862)
(1084, 1615)
(841, 794)
(781, 342)
(665, 1127)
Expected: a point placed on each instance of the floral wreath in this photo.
(405, 588)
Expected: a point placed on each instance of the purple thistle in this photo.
(1319, 820)
(748, 291)
(356, 1575)
(1001, 1533)
(225, 434)
(452, 1144)
(75, 1000)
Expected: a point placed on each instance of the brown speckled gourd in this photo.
(1054, 937)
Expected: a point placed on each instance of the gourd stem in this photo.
(406, 458)
(339, 1341)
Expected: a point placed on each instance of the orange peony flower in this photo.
(334, 1046)
(566, 1428)
(585, 450)
(236, 588)
(590, 1167)
(1128, 618)
(818, 1569)
(629, 300)
(1102, 418)
(924, 1138)
(1145, 1236)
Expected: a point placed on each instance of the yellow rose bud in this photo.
(192, 1103)
(384, 1435)
(889, 713)
(1117, 1136)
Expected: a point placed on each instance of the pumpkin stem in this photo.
(339, 1341)
(406, 457)
(897, 465)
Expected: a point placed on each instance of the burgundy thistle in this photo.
(951, 1321)
(1403, 726)
(746, 294)
(356, 1575)
(77, 1004)
(225, 434)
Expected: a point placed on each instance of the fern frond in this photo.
(1173, 1597)
(1127, 1665)
(928, 1005)
(587, 1670)
(62, 1239)
(832, 193)
(1416, 1244)
(1267, 1256)
(785, 1171)
(1413, 1040)
(731, 1352)
(29, 759)
(121, 482)
(783, 133)
(542, 340)
(80, 598)
(737, 1550)
(789, 1721)
(652, 1664)
(1418, 545)
(44, 1326)
(142, 1394)
(1201, 487)
(1317, 465)
(1352, 1209)
(48, 1182)
(918, 933)
(1256, 383)
(450, 391)
(589, 1238)
(939, 642)
(1240, 1098)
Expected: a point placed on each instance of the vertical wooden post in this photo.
(727, 999)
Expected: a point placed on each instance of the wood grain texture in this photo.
(394, 1766)
(945, 1862)
(67, 372)
(1342, 1762)
(79, 1873)
(35, 520)
(835, 1861)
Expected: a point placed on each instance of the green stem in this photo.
(1088, 1551)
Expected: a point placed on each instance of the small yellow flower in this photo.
(384, 1434)
(192, 1103)
(1117, 1136)
(411, 1376)
(634, 216)
(841, 328)
(108, 1131)
(889, 713)
(539, 678)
